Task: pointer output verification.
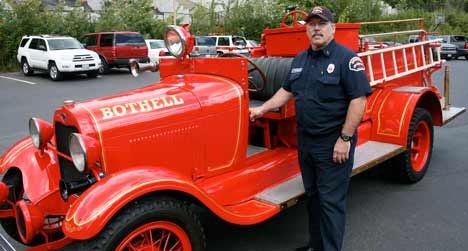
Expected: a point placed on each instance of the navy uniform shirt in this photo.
(323, 83)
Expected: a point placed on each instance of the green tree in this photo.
(19, 19)
(201, 25)
(247, 18)
(133, 15)
(74, 22)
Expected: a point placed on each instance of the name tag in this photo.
(296, 70)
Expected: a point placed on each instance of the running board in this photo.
(451, 113)
(367, 155)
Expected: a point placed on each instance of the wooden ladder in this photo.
(414, 60)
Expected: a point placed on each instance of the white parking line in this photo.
(19, 80)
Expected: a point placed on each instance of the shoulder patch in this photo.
(356, 64)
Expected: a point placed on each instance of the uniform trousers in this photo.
(326, 185)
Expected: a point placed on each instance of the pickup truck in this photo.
(460, 41)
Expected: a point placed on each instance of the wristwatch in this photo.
(346, 138)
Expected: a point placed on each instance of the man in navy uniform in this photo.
(329, 85)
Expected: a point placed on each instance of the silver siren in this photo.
(136, 68)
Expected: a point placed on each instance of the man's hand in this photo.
(256, 112)
(341, 151)
(280, 98)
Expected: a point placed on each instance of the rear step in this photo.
(451, 113)
(367, 155)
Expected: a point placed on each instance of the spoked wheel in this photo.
(420, 146)
(160, 236)
(153, 223)
(414, 162)
(296, 15)
(253, 86)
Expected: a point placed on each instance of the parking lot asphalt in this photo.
(382, 215)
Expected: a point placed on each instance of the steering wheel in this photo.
(253, 87)
(295, 15)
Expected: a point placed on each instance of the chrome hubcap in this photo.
(25, 67)
(53, 72)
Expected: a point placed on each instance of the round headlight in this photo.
(35, 132)
(41, 132)
(78, 152)
(178, 41)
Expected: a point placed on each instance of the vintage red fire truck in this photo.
(122, 172)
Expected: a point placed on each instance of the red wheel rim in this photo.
(156, 236)
(420, 145)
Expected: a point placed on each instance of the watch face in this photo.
(346, 138)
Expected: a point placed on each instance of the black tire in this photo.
(466, 57)
(104, 69)
(413, 170)
(54, 72)
(93, 74)
(146, 211)
(25, 68)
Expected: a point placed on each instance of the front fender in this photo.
(40, 175)
(11, 154)
(89, 213)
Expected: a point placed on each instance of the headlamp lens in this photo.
(35, 132)
(78, 152)
(175, 41)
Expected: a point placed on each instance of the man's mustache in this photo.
(317, 34)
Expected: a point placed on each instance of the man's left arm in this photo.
(354, 115)
(357, 88)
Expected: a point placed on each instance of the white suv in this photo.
(57, 55)
(231, 44)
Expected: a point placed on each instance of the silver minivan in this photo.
(205, 46)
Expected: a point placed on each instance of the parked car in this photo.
(372, 44)
(447, 50)
(413, 38)
(392, 43)
(117, 48)
(461, 42)
(251, 44)
(204, 46)
(57, 55)
(157, 49)
(232, 44)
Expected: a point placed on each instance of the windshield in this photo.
(444, 39)
(252, 42)
(129, 39)
(64, 44)
(239, 41)
(157, 44)
(206, 41)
